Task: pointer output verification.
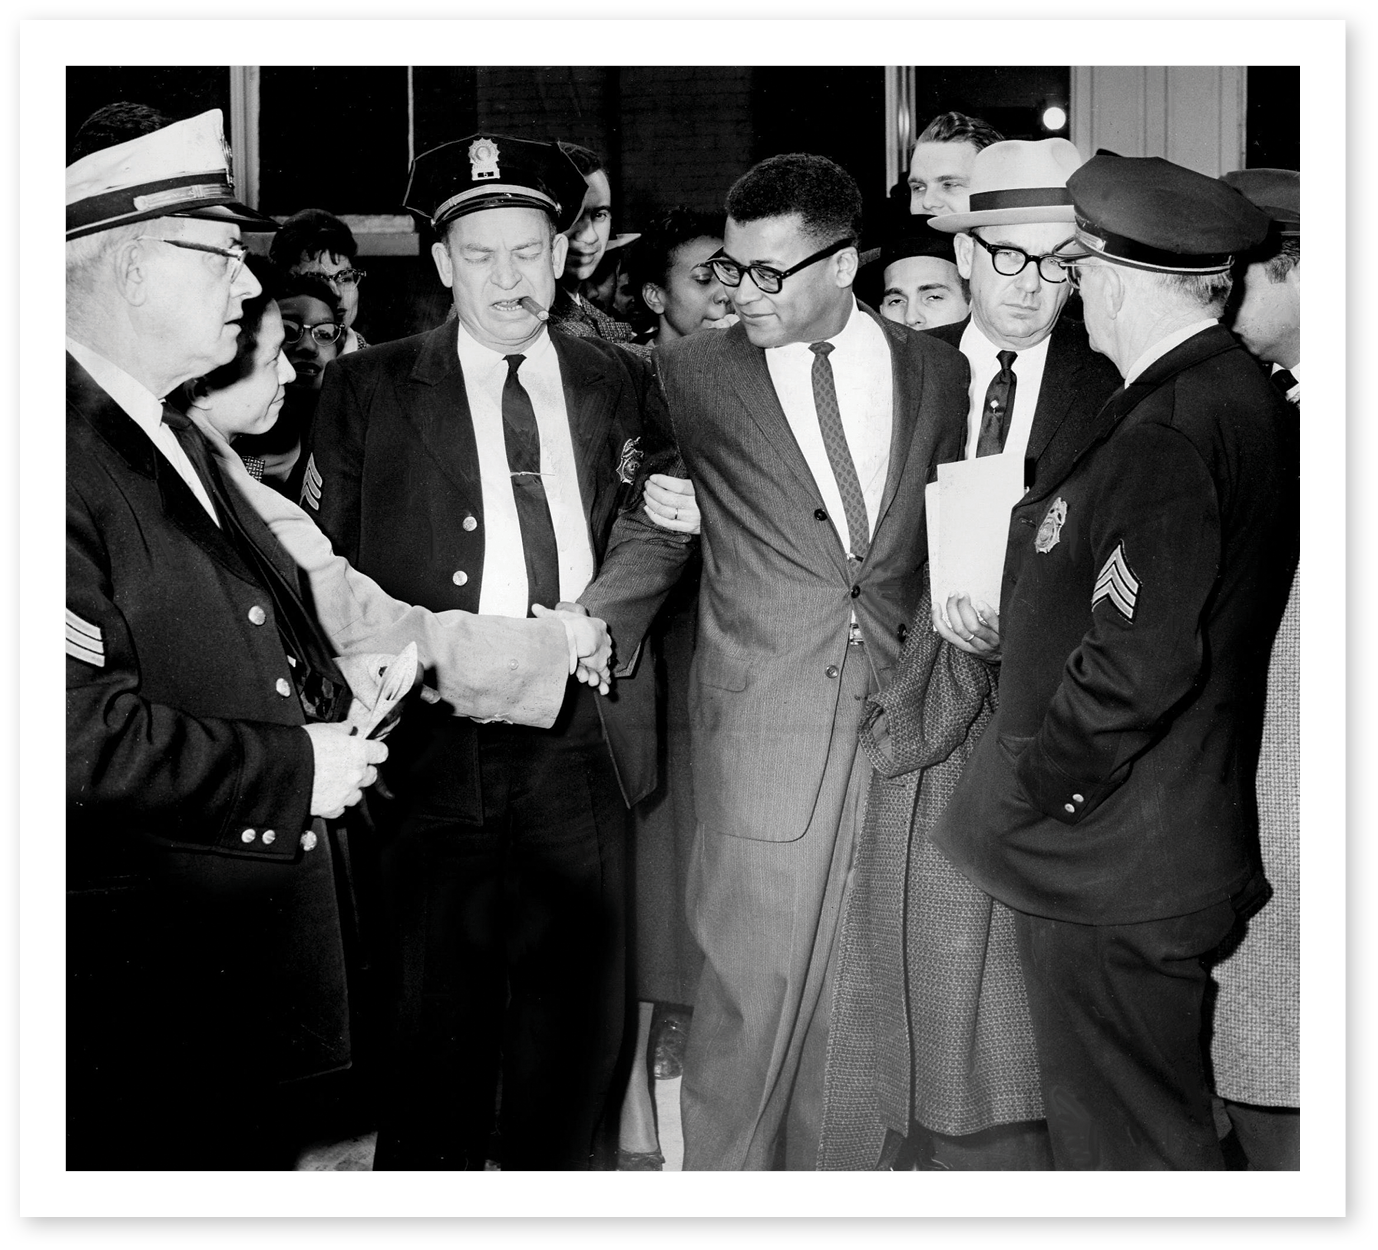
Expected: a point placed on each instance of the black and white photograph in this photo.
(664, 615)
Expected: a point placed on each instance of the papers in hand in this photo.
(396, 680)
(968, 511)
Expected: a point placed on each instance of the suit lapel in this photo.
(437, 408)
(1059, 388)
(906, 371)
(589, 408)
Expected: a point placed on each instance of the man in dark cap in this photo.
(205, 959)
(1110, 802)
(480, 466)
(914, 280)
(1255, 1034)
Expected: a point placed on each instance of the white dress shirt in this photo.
(982, 356)
(504, 589)
(146, 411)
(1164, 345)
(863, 379)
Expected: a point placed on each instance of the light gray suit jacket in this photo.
(777, 594)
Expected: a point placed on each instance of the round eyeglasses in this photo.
(767, 279)
(1008, 261)
(345, 277)
(323, 331)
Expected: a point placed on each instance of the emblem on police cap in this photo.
(630, 461)
(483, 159)
(1050, 532)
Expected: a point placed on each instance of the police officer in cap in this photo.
(1110, 804)
(479, 467)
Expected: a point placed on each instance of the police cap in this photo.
(1276, 191)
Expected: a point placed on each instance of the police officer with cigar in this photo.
(1110, 803)
(479, 466)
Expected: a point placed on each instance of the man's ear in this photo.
(653, 297)
(964, 247)
(559, 249)
(441, 255)
(1113, 291)
(845, 270)
(129, 263)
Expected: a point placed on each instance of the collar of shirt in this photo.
(146, 411)
(475, 357)
(983, 358)
(1165, 345)
(1293, 392)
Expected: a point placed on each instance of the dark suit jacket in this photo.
(777, 592)
(1115, 784)
(182, 756)
(394, 482)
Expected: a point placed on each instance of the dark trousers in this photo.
(506, 956)
(1117, 1020)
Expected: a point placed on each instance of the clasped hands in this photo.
(590, 645)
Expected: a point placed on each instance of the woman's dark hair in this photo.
(586, 160)
(305, 235)
(250, 323)
(312, 284)
(652, 254)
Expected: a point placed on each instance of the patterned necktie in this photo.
(322, 691)
(523, 439)
(839, 454)
(995, 415)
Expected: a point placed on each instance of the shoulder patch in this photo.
(311, 484)
(85, 641)
(1117, 583)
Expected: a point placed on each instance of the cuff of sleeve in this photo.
(1054, 791)
(272, 807)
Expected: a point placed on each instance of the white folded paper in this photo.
(968, 510)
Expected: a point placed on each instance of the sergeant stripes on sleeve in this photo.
(1117, 583)
(84, 640)
(311, 484)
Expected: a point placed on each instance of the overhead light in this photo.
(1054, 117)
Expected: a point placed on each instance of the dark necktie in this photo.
(995, 415)
(523, 439)
(323, 693)
(1284, 380)
(839, 454)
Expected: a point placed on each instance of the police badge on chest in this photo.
(1050, 531)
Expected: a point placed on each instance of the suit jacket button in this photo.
(512, 664)
(308, 840)
(283, 687)
(1069, 808)
(819, 514)
(257, 615)
(831, 670)
(470, 524)
(247, 836)
(460, 577)
(856, 591)
(269, 837)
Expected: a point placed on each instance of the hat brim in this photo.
(229, 211)
(955, 223)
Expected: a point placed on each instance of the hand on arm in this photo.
(671, 504)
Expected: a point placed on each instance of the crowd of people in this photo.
(693, 775)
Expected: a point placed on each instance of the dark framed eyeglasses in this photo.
(1008, 261)
(322, 331)
(768, 281)
(235, 254)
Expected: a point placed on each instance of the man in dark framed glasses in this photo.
(809, 430)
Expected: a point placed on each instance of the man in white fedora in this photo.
(204, 947)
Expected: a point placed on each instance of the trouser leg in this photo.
(765, 915)
(1116, 1013)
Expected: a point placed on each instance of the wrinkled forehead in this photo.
(505, 226)
(193, 230)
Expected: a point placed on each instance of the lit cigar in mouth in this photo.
(533, 308)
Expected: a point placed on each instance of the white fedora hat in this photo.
(1017, 181)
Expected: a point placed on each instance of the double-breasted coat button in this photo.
(470, 524)
(1069, 808)
(831, 670)
(247, 836)
(819, 514)
(460, 577)
(257, 615)
(269, 837)
(1078, 798)
(283, 687)
(308, 840)
(512, 664)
